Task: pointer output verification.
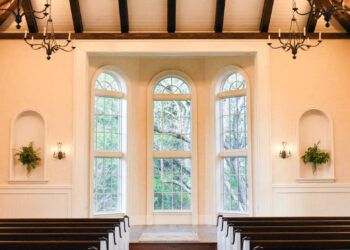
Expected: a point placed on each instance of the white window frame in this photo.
(122, 95)
(220, 153)
(171, 217)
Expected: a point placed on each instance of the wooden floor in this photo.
(206, 235)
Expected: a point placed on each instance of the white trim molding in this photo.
(172, 217)
(262, 175)
(35, 201)
(43, 151)
(311, 199)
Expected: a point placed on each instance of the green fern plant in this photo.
(315, 156)
(29, 157)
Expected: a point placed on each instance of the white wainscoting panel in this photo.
(311, 199)
(35, 202)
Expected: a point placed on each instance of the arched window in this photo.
(172, 144)
(234, 142)
(108, 143)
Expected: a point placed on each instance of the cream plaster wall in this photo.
(318, 78)
(27, 81)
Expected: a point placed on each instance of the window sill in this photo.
(108, 215)
(236, 214)
(172, 212)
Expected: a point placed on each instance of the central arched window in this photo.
(234, 142)
(108, 143)
(172, 144)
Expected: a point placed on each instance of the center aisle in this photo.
(166, 237)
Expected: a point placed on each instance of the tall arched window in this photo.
(172, 144)
(234, 142)
(108, 143)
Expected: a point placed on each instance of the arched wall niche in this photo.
(28, 126)
(315, 125)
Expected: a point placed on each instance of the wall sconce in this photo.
(284, 152)
(59, 153)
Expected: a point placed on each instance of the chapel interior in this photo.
(174, 124)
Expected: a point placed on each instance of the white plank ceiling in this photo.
(191, 16)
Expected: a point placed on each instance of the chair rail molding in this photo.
(37, 201)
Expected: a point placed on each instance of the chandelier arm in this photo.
(8, 10)
(315, 45)
(276, 47)
(303, 47)
(67, 50)
(33, 44)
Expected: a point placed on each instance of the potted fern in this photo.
(315, 156)
(29, 157)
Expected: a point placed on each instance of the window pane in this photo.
(172, 125)
(172, 85)
(107, 129)
(234, 81)
(106, 81)
(234, 131)
(107, 185)
(235, 184)
(172, 184)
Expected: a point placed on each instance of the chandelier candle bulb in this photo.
(304, 31)
(279, 32)
(320, 36)
(69, 34)
(25, 34)
(32, 38)
(269, 38)
(44, 34)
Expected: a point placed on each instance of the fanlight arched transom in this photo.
(107, 81)
(234, 81)
(172, 85)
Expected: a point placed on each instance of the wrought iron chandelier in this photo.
(296, 39)
(318, 10)
(49, 42)
(18, 12)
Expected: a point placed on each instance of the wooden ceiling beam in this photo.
(266, 16)
(9, 4)
(311, 24)
(171, 16)
(342, 18)
(124, 16)
(130, 36)
(219, 15)
(30, 18)
(76, 16)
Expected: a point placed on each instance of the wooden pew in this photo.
(35, 233)
(50, 245)
(263, 227)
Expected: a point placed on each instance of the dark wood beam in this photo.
(342, 18)
(219, 15)
(9, 4)
(124, 16)
(76, 15)
(184, 36)
(171, 16)
(311, 24)
(30, 18)
(312, 21)
(266, 16)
